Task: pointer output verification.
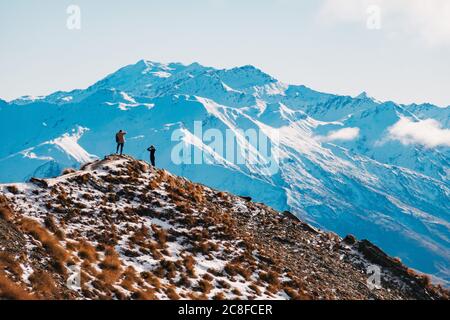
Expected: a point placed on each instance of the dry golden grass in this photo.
(81, 179)
(219, 296)
(51, 225)
(43, 283)
(49, 242)
(72, 246)
(104, 291)
(425, 280)
(222, 195)
(161, 236)
(140, 236)
(130, 280)
(236, 292)
(87, 252)
(208, 277)
(270, 277)
(87, 196)
(10, 263)
(205, 286)
(245, 271)
(148, 294)
(68, 171)
(232, 269)
(153, 184)
(223, 284)
(168, 265)
(189, 264)
(195, 296)
(255, 288)
(205, 247)
(214, 272)
(12, 291)
(63, 198)
(153, 247)
(111, 266)
(151, 279)
(6, 214)
(184, 281)
(5, 211)
(89, 268)
(296, 294)
(183, 207)
(172, 294)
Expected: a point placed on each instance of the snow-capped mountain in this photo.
(350, 165)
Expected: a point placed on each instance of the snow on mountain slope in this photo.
(47, 159)
(374, 141)
(426, 111)
(366, 183)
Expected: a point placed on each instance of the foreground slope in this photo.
(141, 233)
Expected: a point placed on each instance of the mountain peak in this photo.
(363, 95)
(167, 66)
(245, 77)
(132, 230)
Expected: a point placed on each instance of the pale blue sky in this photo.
(319, 43)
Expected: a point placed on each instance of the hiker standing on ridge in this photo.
(120, 140)
(152, 151)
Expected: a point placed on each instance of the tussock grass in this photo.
(148, 294)
(49, 242)
(87, 252)
(51, 225)
(205, 286)
(9, 262)
(12, 291)
(111, 266)
(172, 294)
(43, 283)
(189, 264)
(6, 214)
(219, 296)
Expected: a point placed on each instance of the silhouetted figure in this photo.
(120, 139)
(152, 151)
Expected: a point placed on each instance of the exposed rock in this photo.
(350, 239)
(39, 182)
(68, 171)
(291, 216)
(11, 239)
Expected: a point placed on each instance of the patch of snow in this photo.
(69, 143)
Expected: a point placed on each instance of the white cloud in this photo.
(428, 20)
(345, 134)
(428, 133)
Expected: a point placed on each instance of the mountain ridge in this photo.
(136, 232)
(144, 65)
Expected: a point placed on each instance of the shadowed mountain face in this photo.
(121, 229)
(350, 165)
